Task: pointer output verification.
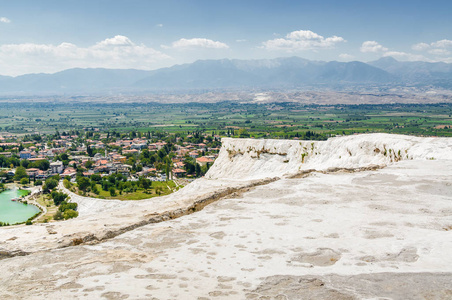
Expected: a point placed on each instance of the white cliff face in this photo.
(256, 159)
(253, 159)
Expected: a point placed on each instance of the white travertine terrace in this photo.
(362, 216)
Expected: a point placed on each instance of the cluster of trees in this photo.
(22, 165)
(32, 137)
(193, 168)
(9, 162)
(160, 159)
(112, 184)
(50, 184)
(39, 164)
(65, 210)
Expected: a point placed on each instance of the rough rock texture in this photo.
(250, 158)
(383, 233)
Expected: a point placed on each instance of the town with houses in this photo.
(134, 155)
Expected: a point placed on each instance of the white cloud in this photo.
(197, 43)
(420, 47)
(375, 47)
(116, 41)
(159, 25)
(302, 40)
(241, 41)
(372, 46)
(118, 52)
(439, 52)
(5, 20)
(406, 56)
(346, 56)
(439, 49)
(442, 44)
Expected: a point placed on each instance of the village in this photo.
(157, 157)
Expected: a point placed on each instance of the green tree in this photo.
(83, 183)
(89, 151)
(145, 183)
(112, 191)
(21, 172)
(66, 183)
(158, 190)
(89, 164)
(95, 189)
(50, 184)
(24, 181)
(168, 170)
(197, 170)
(64, 156)
(96, 177)
(58, 197)
(69, 214)
(65, 206)
(24, 163)
(58, 215)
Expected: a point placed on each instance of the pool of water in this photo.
(15, 212)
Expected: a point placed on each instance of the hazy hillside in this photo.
(287, 72)
(439, 73)
(280, 72)
(72, 80)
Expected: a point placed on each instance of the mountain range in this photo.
(278, 73)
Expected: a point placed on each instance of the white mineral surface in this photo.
(343, 230)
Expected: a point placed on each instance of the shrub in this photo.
(95, 190)
(38, 182)
(69, 214)
(58, 197)
(58, 215)
(21, 172)
(65, 206)
(67, 184)
(50, 184)
(83, 183)
(28, 222)
(24, 181)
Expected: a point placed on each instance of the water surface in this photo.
(15, 212)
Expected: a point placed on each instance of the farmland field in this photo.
(270, 120)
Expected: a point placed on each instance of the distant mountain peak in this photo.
(280, 73)
(387, 59)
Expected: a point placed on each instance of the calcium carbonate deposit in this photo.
(355, 217)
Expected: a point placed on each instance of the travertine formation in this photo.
(353, 217)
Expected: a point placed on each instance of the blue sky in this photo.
(49, 36)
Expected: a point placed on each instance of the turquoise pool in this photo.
(15, 212)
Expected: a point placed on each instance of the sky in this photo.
(48, 36)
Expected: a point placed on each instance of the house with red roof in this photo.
(204, 160)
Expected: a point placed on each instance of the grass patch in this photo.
(158, 189)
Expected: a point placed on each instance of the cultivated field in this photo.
(269, 120)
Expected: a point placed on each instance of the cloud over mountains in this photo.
(120, 52)
(117, 52)
(302, 40)
(197, 43)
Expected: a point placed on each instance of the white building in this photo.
(57, 167)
